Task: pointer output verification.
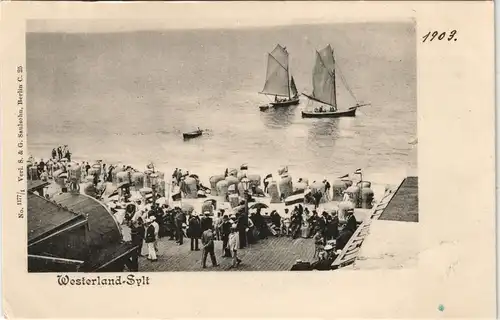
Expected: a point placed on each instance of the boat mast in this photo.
(334, 91)
(289, 83)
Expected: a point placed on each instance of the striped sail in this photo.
(277, 73)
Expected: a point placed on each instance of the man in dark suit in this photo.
(332, 226)
(242, 227)
(225, 230)
(206, 222)
(322, 222)
(194, 232)
(180, 218)
(351, 224)
(347, 231)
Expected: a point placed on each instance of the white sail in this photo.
(324, 77)
(277, 73)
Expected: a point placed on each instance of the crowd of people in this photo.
(44, 169)
(150, 220)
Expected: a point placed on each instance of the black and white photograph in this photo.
(272, 148)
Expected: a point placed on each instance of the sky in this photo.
(131, 17)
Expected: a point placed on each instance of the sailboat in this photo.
(324, 89)
(279, 82)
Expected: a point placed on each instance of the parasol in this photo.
(259, 205)
(63, 175)
(123, 185)
(239, 208)
(161, 201)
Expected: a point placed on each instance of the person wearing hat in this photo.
(313, 223)
(137, 233)
(208, 245)
(351, 223)
(206, 221)
(348, 230)
(328, 259)
(225, 230)
(327, 189)
(180, 218)
(194, 232)
(301, 266)
(150, 239)
(155, 224)
(317, 196)
(332, 226)
(234, 244)
(319, 243)
(242, 223)
(322, 223)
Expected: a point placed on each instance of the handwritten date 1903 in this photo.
(435, 35)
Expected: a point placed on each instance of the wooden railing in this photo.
(351, 249)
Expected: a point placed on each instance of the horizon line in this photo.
(89, 26)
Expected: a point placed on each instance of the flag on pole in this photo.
(358, 171)
(296, 197)
(177, 196)
(150, 166)
(344, 176)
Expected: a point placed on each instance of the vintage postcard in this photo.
(174, 160)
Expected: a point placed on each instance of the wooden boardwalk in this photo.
(272, 254)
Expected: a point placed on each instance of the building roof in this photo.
(46, 218)
(34, 185)
(404, 204)
(100, 259)
(103, 228)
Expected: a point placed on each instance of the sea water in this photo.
(127, 97)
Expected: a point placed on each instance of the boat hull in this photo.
(351, 112)
(286, 103)
(191, 135)
(264, 107)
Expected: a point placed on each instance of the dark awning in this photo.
(108, 255)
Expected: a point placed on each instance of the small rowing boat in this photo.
(192, 134)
